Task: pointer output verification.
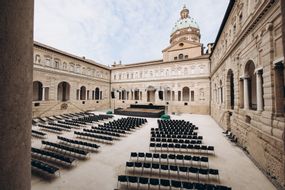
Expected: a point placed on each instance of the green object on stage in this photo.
(109, 112)
(165, 117)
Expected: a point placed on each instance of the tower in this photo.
(184, 39)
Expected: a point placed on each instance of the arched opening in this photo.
(37, 91)
(230, 90)
(83, 93)
(160, 95)
(250, 85)
(63, 91)
(137, 94)
(185, 94)
(150, 94)
(124, 94)
(97, 93)
(168, 95)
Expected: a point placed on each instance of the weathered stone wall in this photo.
(258, 40)
(51, 67)
(168, 77)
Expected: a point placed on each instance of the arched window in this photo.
(37, 91)
(124, 94)
(230, 90)
(185, 94)
(63, 91)
(137, 94)
(180, 56)
(83, 93)
(97, 93)
(250, 101)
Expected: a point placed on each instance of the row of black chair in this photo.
(175, 123)
(156, 182)
(109, 129)
(65, 127)
(177, 136)
(186, 141)
(170, 158)
(113, 134)
(79, 143)
(53, 156)
(231, 136)
(38, 133)
(93, 136)
(44, 167)
(50, 129)
(69, 123)
(180, 147)
(172, 133)
(180, 171)
(178, 130)
(64, 148)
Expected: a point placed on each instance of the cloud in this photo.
(113, 30)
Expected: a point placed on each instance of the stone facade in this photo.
(247, 81)
(65, 83)
(239, 81)
(181, 81)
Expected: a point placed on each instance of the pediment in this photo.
(177, 46)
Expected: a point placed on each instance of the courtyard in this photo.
(101, 170)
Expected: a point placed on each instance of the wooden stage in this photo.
(141, 111)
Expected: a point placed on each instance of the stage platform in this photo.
(142, 111)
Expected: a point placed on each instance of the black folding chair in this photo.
(176, 184)
(154, 182)
(165, 182)
(143, 181)
(122, 179)
(187, 185)
(133, 179)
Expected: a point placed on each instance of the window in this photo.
(186, 56)
(37, 59)
(56, 63)
(64, 66)
(175, 58)
(185, 94)
(192, 96)
(179, 95)
(180, 56)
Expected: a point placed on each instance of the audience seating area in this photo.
(67, 150)
(44, 167)
(169, 164)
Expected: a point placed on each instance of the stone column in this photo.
(156, 96)
(245, 93)
(43, 93)
(259, 90)
(16, 58)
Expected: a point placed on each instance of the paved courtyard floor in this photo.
(101, 170)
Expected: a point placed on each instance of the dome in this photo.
(185, 21)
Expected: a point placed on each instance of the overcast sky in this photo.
(127, 30)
